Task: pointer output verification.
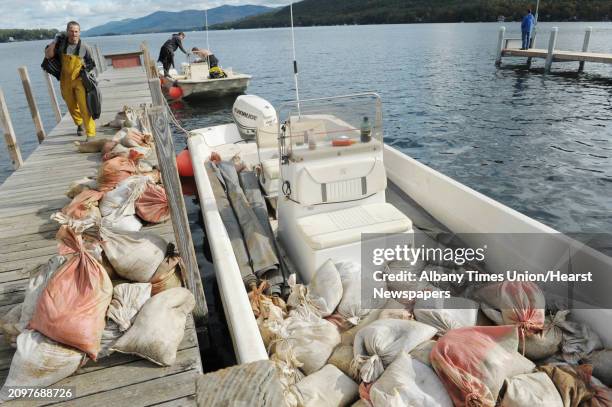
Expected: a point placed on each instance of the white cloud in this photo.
(89, 13)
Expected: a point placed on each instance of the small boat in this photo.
(329, 179)
(194, 81)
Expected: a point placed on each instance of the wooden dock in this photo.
(27, 199)
(510, 47)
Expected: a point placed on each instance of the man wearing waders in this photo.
(526, 27)
(74, 55)
(166, 53)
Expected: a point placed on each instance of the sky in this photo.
(89, 13)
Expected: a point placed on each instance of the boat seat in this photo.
(345, 226)
(270, 169)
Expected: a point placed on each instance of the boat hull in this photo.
(458, 207)
(212, 88)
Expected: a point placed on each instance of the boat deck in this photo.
(27, 199)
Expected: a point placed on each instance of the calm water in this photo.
(540, 144)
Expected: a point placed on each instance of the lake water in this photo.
(541, 144)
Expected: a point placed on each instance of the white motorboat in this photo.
(195, 82)
(331, 180)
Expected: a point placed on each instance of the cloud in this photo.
(89, 13)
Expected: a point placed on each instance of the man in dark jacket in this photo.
(73, 56)
(166, 53)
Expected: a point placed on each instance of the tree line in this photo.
(16, 34)
(326, 12)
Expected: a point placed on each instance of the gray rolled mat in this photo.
(231, 225)
(250, 186)
(258, 245)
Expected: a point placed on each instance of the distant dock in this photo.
(511, 47)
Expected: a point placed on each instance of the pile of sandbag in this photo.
(501, 346)
(71, 312)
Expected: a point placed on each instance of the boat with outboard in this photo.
(329, 178)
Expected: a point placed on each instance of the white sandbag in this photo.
(80, 185)
(531, 390)
(328, 387)
(323, 294)
(350, 304)
(446, 313)
(118, 197)
(422, 352)
(348, 337)
(305, 341)
(408, 382)
(270, 321)
(391, 310)
(377, 345)
(39, 277)
(547, 342)
(134, 256)
(342, 357)
(127, 300)
(118, 206)
(92, 219)
(10, 326)
(396, 310)
(159, 327)
(40, 362)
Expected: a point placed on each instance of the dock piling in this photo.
(500, 45)
(9, 134)
(158, 120)
(552, 42)
(27, 87)
(54, 103)
(585, 45)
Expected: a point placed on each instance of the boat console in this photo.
(332, 180)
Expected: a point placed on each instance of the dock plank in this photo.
(28, 197)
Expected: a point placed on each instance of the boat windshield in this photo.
(350, 123)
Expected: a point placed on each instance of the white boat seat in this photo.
(345, 226)
(270, 169)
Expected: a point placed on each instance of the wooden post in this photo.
(101, 59)
(96, 57)
(500, 46)
(27, 87)
(585, 46)
(54, 103)
(156, 93)
(9, 134)
(146, 59)
(552, 42)
(164, 145)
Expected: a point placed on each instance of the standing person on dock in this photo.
(166, 53)
(526, 28)
(74, 56)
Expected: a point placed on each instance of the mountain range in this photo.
(339, 12)
(166, 21)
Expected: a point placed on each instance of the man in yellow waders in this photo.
(74, 56)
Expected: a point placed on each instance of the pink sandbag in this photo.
(72, 307)
(152, 206)
(473, 363)
(82, 203)
(520, 303)
(115, 170)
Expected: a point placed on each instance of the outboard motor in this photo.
(252, 113)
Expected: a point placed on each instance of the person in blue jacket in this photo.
(526, 27)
